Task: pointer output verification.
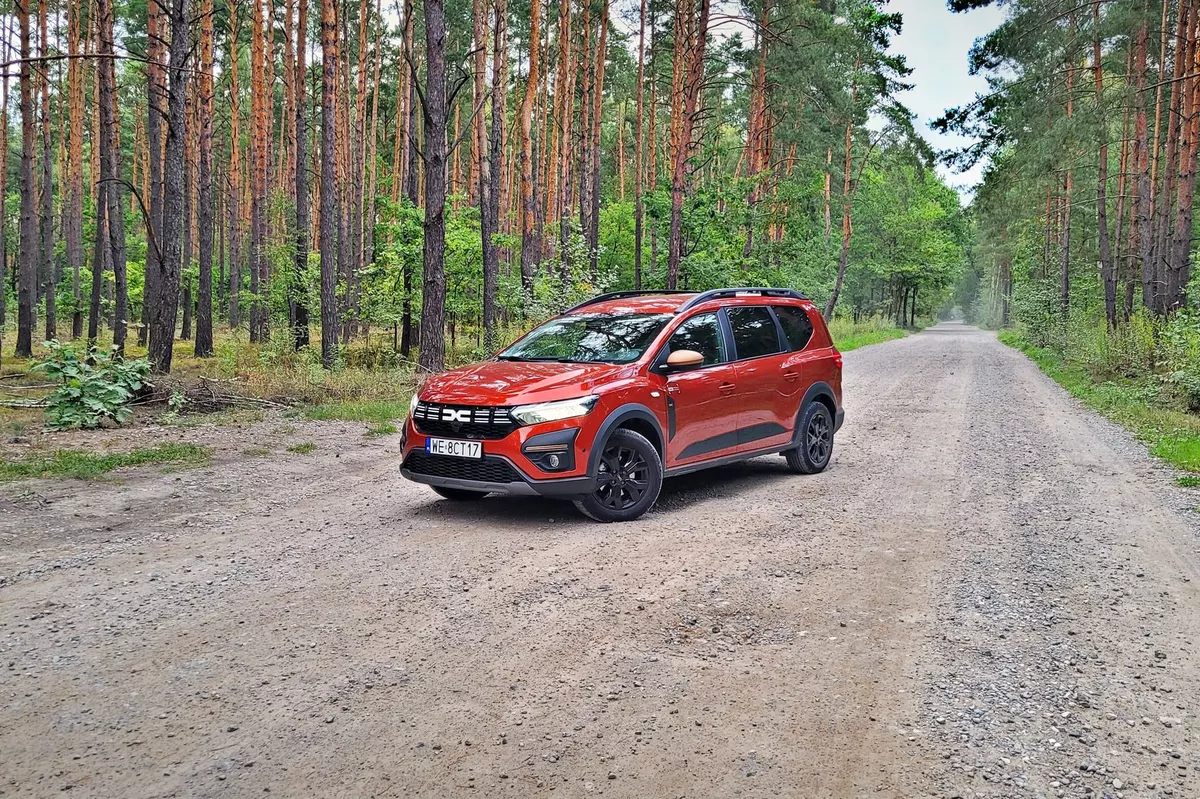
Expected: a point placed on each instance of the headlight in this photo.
(553, 411)
(412, 405)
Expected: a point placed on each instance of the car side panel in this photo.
(702, 414)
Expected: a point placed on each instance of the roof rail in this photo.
(620, 295)
(720, 294)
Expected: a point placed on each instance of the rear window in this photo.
(754, 331)
(796, 325)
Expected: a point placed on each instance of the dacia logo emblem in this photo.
(455, 418)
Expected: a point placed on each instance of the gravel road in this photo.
(990, 592)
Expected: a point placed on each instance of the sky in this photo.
(935, 42)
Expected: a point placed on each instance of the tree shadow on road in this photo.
(678, 493)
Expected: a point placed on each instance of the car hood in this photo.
(518, 382)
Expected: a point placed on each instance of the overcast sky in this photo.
(935, 42)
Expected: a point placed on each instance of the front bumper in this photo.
(838, 418)
(523, 486)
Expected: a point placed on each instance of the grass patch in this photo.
(302, 448)
(850, 335)
(1189, 481)
(1171, 434)
(86, 465)
(256, 452)
(384, 429)
(362, 410)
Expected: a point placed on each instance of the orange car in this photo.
(602, 403)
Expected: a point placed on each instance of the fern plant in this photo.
(91, 389)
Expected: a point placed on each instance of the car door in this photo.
(764, 418)
(702, 404)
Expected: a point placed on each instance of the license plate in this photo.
(455, 449)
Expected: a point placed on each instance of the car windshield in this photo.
(589, 338)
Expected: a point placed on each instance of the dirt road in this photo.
(990, 592)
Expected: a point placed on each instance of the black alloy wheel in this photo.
(815, 441)
(628, 479)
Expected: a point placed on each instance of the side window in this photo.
(796, 325)
(701, 333)
(754, 331)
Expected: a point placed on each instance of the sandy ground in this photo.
(990, 592)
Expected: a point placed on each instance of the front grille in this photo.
(487, 470)
(465, 421)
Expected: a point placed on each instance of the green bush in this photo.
(92, 389)
(1179, 350)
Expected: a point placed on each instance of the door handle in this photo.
(791, 376)
(727, 388)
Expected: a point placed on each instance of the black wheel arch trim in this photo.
(818, 391)
(619, 416)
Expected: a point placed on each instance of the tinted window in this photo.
(703, 335)
(754, 331)
(589, 338)
(796, 325)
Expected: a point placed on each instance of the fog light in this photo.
(554, 461)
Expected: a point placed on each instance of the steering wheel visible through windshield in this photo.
(589, 338)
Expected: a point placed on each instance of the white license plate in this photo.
(455, 449)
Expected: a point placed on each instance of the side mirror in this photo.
(684, 360)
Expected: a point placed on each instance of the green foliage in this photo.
(850, 335)
(302, 448)
(92, 389)
(88, 465)
(1180, 354)
(379, 411)
(1141, 406)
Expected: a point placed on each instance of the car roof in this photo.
(673, 302)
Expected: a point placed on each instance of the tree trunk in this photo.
(847, 225)
(73, 201)
(49, 277)
(204, 292)
(1064, 283)
(1141, 159)
(328, 209)
(155, 91)
(638, 168)
(110, 173)
(691, 37)
(1108, 272)
(372, 155)
(299, 305)
(593, 150)
(163, 315)
(489, 187)
(409, 171)
(30, 244)
(235, 177)
(433, 298)
(4, 177)
(531, 248)
(260, 121)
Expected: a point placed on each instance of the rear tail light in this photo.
(837, 359)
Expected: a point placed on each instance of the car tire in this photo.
(458, 494)
(639, 475)
(816, 441)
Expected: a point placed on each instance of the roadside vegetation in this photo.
(1158, 405)
(89, 465)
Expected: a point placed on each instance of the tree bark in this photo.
(30, 244)
(49, 277)
(691, 38)
(1108, 272)
(110, 174)
(260, 120)
(204, 179)
(299, 305)
(531, 248)
(328, 209)
(638, 167)
(433, 298)
(163, 315)
(155, 91)
(1141, 160)
(73, 200)
(847, 223)
(235, 176)
(489, 185)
